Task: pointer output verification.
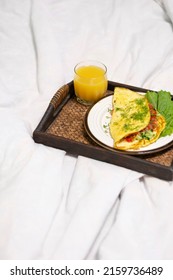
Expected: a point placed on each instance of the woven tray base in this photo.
(69, 124)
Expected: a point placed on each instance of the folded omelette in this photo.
(134, 122)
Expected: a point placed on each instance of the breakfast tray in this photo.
(62, 127)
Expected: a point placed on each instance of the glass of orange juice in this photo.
(90, 81)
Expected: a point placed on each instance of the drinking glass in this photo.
(90, 81)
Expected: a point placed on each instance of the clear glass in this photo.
(90, 81)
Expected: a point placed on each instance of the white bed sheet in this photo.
(58, 206)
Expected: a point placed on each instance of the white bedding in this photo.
(58, 206)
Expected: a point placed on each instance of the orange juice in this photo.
(90, 82)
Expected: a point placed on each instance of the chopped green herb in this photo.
(140, 115)
(139, 101)
(126, 127)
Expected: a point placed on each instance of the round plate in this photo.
(96, 124)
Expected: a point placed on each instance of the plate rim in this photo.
(135, 152)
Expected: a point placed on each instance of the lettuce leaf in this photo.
(162, 102)
(152, 98)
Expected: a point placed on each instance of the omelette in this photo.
(134, 121)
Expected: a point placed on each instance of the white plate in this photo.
(97, 126)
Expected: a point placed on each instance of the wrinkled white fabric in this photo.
(59, 206)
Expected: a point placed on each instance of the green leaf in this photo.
(162, 102)
(152, 98)
(165, 105)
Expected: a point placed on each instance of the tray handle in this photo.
(55, 105)
(59, 96)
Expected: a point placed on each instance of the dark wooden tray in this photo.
(62, 127)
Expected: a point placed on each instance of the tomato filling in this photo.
(147, 132)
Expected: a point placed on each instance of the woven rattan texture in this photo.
(163, 158)
(69, 124)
